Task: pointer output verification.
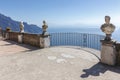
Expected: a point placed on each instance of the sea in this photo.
(88, 30)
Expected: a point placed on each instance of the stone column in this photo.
(7, 32)
(108, 52)
(6, 36)
(45, 40)
(20, 38)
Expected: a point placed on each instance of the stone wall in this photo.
(32, 39)
(27, 38)
(13, 36)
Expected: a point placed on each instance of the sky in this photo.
(58, 13)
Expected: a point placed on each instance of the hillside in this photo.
(14, 25)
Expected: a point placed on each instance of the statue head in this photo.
(21, 22)
(44, 22)
(107, 19)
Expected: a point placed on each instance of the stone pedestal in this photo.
(45, 40)
(108, 52)
(20, 37)
(7, 36)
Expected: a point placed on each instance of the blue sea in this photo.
(115, 35)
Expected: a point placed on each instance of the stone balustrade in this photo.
(37, 40)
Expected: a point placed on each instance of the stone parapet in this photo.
(37, 40)
(13, 36)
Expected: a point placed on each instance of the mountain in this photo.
(14, 25)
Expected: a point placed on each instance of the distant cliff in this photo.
(14, 25)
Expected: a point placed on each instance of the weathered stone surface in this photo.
(20, 38)
(13, 36)
(38, 40)
(6, 36)
(108, 54)
(31, 39)
(108, 28)
(55, 63)
(46, 42)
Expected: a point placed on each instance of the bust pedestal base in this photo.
(108, 52)
(20, 37)
(45, 40)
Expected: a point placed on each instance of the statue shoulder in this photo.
(112, 25)
(103, 26)
(45, 26)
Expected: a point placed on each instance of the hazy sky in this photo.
(62, 12)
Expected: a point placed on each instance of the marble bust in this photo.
(108, 28)
(44, 27)
(21, 27)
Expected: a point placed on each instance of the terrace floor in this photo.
(23, 62)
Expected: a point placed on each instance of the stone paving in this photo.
(9, 47)
(54, 63)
